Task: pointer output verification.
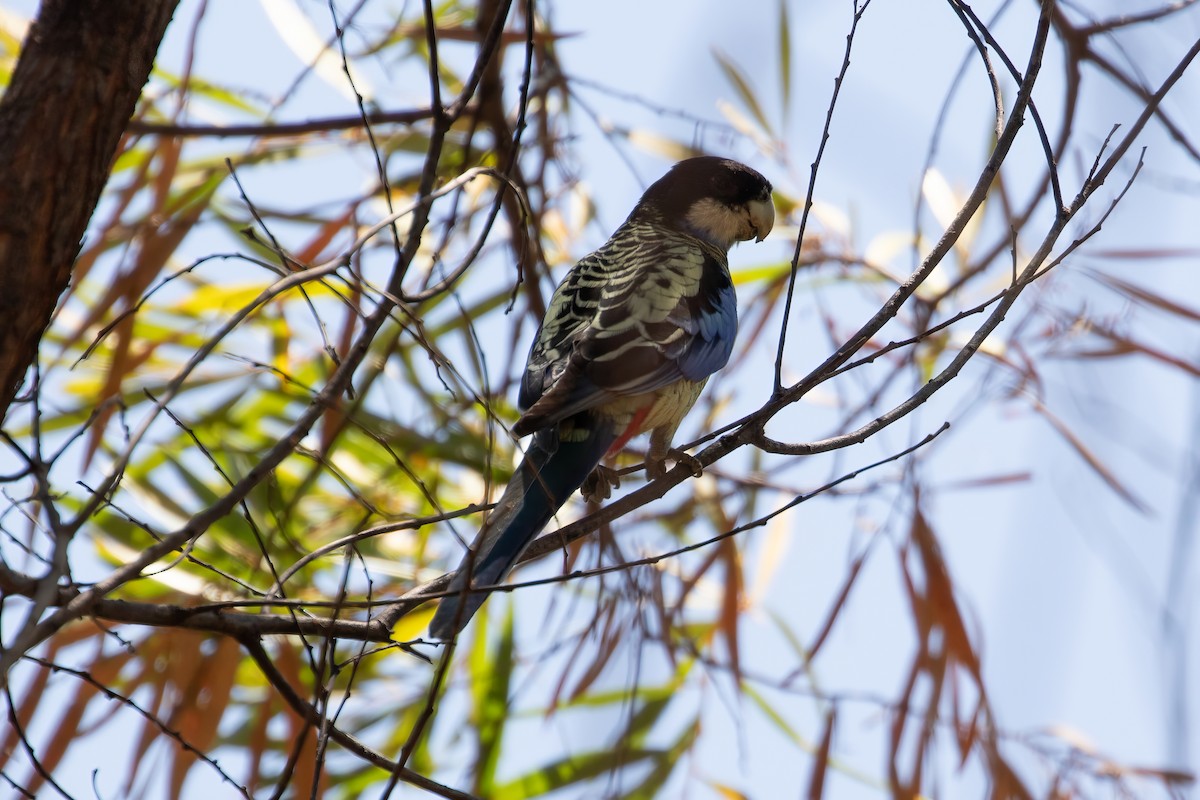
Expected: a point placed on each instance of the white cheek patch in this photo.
(719, 223)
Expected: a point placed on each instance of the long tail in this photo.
(551, 471)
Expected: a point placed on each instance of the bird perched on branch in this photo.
(629, 339)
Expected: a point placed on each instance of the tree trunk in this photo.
(74, 89)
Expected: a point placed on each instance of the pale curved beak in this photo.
(762, 218)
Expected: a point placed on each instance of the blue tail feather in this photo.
(549, 474)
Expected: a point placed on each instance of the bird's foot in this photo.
(599, 483)
(689, 461)
(657, 467)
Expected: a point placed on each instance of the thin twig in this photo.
(109, 694)
(310, 715)
(808, 199)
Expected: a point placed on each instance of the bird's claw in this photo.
(599, 483)
(689, 461)
(657, 467)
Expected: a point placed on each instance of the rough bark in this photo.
(72, 93)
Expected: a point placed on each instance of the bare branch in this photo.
(267, 130)
(310, 715)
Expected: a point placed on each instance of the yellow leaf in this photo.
(779, 536)
(301, 37)
(832, 218)
(653, 143)
(728, 793)
(745, 126)
(411, 626)
(940, 197)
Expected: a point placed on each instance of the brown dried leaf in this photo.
(1093, 461)
(202, 705)
(731, 605)
(1124, 346)
(1005, 782)
(1171, 777)
(837, 606)
(1145, 296)
(304, 773)
(156, 244)
(608, 644)
(939, 594)
(156, 249)
(916, 600)
(968, 734)
(311, 252)
(29, 704)
(690, 582)
(66, 731)
(156, 680)
(168, 165)
(900, 719)
(988, 482)
(1145, 254)
(112, 230)
(816, 782)
(560, 688)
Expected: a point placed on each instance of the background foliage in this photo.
(283, 373)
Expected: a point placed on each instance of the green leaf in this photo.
(762, 272)
(491, 678)
(219, 95)
(665, 764)
(572, 770)
(769, 710)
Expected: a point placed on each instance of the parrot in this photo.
(628, 341)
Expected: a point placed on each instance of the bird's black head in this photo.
(717, 199)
